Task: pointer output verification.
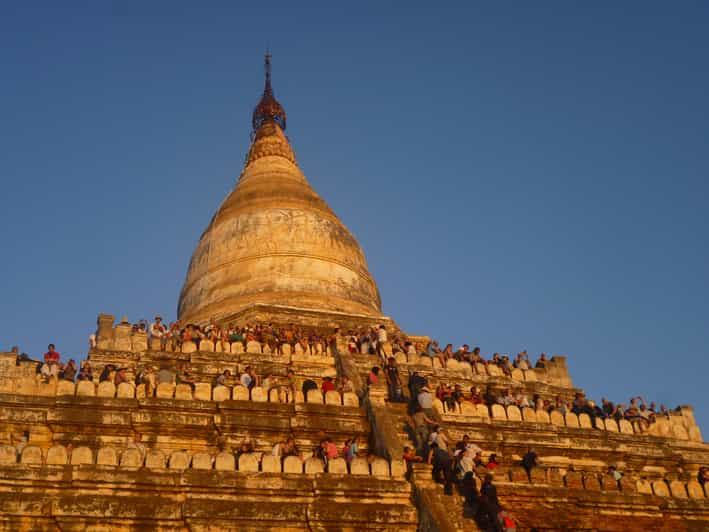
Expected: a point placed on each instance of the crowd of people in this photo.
(267, 334)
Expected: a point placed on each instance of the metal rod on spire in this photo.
(268, 70)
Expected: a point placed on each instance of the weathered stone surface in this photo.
(314, 396)
(313, 465)
(65, 387)
(155, 459)
(270, 464)
(380, 467)
(82, 456)
(183, 392)
(179, 460)
(107, 456)
(125, 390)
(165, 390)
(258, 394)
(292, 464)
(203, 391)
(31, 455)
(359, 466)
(513, 413)
(8, 454)
(337, 466)
(85, 388)
(106, 389)
(56, 455)
(201, 461)
(659, 488)
(240, 393)
(225, 462)
(221, 393)
(131, 458)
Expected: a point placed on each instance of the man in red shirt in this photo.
(50, 368)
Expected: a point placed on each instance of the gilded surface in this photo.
(275, 241)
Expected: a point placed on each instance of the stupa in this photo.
(274, 243)
(236, 431)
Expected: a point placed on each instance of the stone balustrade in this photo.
(675, 427)
(201, 392)
(134, 458)
(590, 481)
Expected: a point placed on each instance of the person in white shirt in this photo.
(382, 339)
(157, 328)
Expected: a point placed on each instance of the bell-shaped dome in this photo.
(274, 241)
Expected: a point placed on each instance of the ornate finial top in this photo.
(268, 109)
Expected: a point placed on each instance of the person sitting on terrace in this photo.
(475, 356)
(327, 385)
(391, 373)
(245, 447)
(373, 377)
(462, 354)
(93, 341)
(345, 385)
(136, 443)
(120, 377)
(146, 377)
(506, 398)
(476, 396)
(445, 355)
(68, 371)
(223, 379)
(159, 331)
(352, 341)
(350, 449)
(490, 396)
(505, 365)
(432, 349)
(308, 384)
(50, 368)
(445, 395)
(529, 462)
(286, 448)
(248, 378)
(108, 373)
(522, 360)
(703, 475)
(521, 399)
(85, 374)
(184, 377)
(617, 476)
(542, 362)
(492, 462)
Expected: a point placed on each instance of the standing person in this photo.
(442, 463)
(382, 340)
(421, 423)
(391, 372)
(159, 330)
(425, 400)
(529, 462)
(489, 504)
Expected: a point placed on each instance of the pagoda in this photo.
(200, 452)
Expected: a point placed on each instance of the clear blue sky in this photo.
(528, 175)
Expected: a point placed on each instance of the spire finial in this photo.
(268, 109)
(267, 66)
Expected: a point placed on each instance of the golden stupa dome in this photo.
(274, 241)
